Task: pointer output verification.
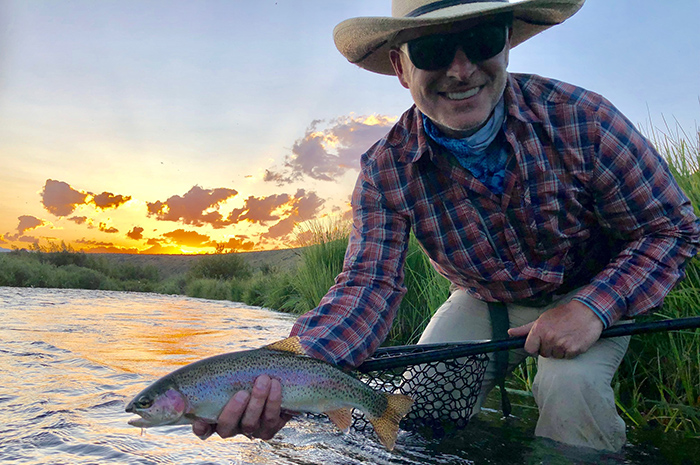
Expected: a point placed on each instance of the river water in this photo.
(71, 359)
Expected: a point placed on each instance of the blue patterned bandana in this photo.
(482, 153)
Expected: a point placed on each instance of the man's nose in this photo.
(461, 67)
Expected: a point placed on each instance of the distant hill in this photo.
(5, 250)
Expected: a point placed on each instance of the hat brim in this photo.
(366, 41)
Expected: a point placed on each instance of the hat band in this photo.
(446, 4)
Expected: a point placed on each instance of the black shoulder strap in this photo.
(499, 325)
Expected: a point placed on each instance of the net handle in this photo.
(440, 352)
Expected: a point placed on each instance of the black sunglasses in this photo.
(437, 51)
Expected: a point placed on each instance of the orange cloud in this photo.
(60, 199)
(94, 243)
(27, 223)
(188, 238)
(135, 234)
(104, 247)
(304, 207)
(78, 219)
(193, 207)
(158, 249)
(110, 230)
(259, 209)
(328, 154)
(108, 200)
(238, 244)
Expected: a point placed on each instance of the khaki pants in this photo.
(575, 399)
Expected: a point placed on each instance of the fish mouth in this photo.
(139, 422)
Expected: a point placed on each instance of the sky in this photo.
(146, 126)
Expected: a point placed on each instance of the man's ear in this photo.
(396, 56)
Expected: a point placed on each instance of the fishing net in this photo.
(444, 391)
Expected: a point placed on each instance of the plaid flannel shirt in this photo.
(581, 182)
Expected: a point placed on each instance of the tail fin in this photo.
(387, 425)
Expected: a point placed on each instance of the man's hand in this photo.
(256, 415)
(564, 331)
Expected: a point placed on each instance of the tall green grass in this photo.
(658, 383)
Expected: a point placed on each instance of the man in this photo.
(523, 191)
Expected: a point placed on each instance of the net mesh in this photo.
(444, 392)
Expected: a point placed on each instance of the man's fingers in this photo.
(520, 330)
(250, 422)
(533, 345)
(256, 414)
(230, 416)
(202, 430)
(272, 420)
(273, 406)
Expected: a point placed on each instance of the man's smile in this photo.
(462, 95)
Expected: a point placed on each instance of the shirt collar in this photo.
(516, 106)
(412, 122)
(411, 125)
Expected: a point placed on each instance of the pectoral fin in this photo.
(291, 344)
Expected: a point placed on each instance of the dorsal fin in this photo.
(291, 344)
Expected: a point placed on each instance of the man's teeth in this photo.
(462, 95)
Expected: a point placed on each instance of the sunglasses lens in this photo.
(436, 52)
(432, 52)
(484, 42)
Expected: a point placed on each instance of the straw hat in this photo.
(366, 41)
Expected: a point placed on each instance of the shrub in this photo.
(220, 266)
(214, 289)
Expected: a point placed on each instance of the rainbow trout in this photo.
(200, 390)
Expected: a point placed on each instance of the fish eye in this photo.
(143, 402)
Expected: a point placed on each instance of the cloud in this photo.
(161, 250)
(282, 228)
(27, 223)
(306, 206)
(197, 207)
(110, 230)
(328, 154)
(303, 207)
(259, 209)
(135, 234)
(60, 199)
(287, 210)
(28, 239)
(108, 200)
(78, 219)
(104, 247)
(94, 243)
(188, 238)
(238, 243)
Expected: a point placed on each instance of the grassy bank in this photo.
(657, 386)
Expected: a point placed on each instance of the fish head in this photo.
(157, 407)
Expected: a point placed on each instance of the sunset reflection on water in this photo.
(71, 359)
(147, 336)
